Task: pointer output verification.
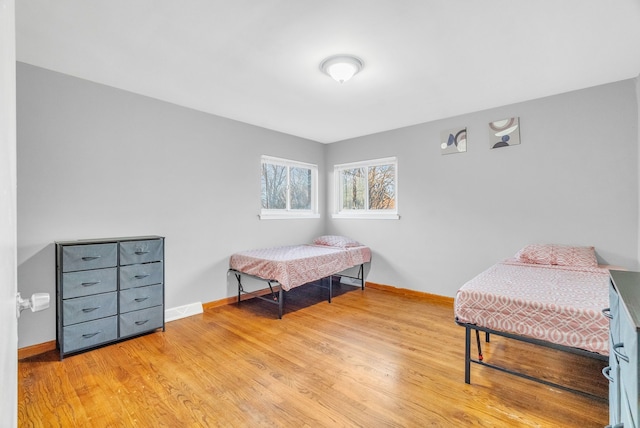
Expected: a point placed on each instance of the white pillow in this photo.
(336, 241)
(560, 255)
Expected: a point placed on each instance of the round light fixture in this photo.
(341, 67)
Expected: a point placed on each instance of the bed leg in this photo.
(239, 287)
(486, 336)
(479, 346)
(330, 287)
(280, 303)
(361, 275)
(467, 355)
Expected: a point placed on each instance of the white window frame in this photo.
(365, 213)
(286, 213)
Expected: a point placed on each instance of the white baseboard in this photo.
(184, 311)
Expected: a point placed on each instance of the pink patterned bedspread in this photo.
(295, 265)
(557, 304)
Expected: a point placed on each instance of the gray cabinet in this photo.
(108, 290)
(624, 327)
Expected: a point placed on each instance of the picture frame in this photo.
(504, 132)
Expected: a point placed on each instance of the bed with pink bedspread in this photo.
(291, 266)
(550, 295)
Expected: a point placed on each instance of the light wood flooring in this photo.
(371, 358)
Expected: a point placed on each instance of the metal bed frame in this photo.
(480, 360)
(276, 297)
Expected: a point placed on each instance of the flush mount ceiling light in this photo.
(341, 67)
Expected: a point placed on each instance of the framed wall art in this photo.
(453, 141)
(504, 133)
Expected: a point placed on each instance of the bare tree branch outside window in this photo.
(286, 187)
(274, 186)
(353, 188)
(369, 188)
(382, 184)
(300, 182)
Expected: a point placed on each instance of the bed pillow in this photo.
(560, 255)
(336, 241)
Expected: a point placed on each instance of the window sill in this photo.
(368, 216)
(286, 216)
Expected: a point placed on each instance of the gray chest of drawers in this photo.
(108, 290)
(624, 327)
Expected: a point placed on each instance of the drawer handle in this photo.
(89, 258)
(89, 284)
(142, 275)
(605, 373)
(620, 355)
(90, 335)
(620, 425)
(141, 252)
(607, 313)
(141, 299)
(141, 322)
(87, 310)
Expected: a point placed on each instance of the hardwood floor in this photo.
(370, 359)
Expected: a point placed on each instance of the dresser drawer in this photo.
(614, 322)
(91, 333)
(86, 282)
(140, 321)
(137, 298)
(626, 418)
(141, 275)
(92, 256)
(628, 359)
(133, 252)
(612, 373)
(88, 308)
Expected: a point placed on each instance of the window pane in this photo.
(353, 188)
(274, 186)
(382, 191)
(300, 179)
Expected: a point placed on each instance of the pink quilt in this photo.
(295, 265)
(558, 304)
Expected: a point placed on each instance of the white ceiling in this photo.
(257, 61)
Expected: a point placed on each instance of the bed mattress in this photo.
(558, 304)
(295, 265)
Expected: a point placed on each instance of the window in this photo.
(367, 189)
(289, 189)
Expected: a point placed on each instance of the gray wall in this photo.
(573, 180)
(97, 162)
(94, 161)
(637, 80)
